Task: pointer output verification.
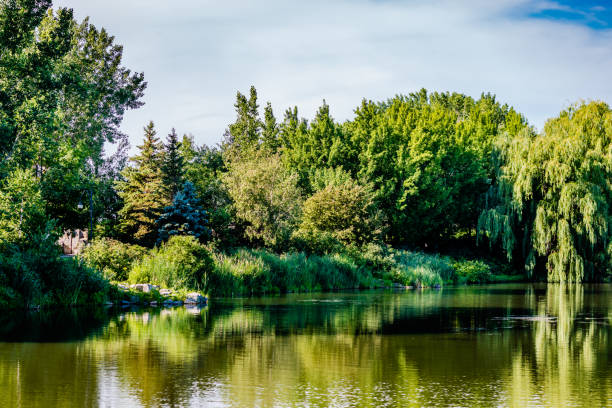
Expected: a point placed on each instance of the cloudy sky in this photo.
(539, 56)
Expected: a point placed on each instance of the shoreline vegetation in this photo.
(280, 205)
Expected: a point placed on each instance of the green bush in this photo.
(35, 274)
(419, 276)
(113, 258)
(472, 272)
(440, 265)
(180, 263)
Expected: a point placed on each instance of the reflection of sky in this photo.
(537, 55)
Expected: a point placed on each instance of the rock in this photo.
(178, 302)
(398, 286)
(165, 292)
(122, 287)
(142, 287)
(194, 298)
(153, 303)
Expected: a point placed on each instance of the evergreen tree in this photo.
(184, 217)
(173, 167)
(142, 191)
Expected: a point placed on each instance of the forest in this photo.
(423, 190)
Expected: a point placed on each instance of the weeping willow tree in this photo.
(549, 207)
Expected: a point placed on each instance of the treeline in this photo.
(425, 171)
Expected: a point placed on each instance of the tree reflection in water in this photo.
(511, 345)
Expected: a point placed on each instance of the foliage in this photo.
(248, 272)
(472, 272)
(35, 273)
(63, 93)
(21, 206)
(265, 195)
(550, 207)
(346, 211)
(143, 191)
(180, 263)
(111, 257)
(172, 167)
(184, 217)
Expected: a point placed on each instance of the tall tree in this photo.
(243, 135)
(173, 167)
(143, 191)
(550, 208)
(270, 131)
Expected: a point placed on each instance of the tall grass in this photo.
(247, 272)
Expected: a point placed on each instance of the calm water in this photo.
(503, 345)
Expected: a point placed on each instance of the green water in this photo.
(503, 345)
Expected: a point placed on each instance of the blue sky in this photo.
(539, 56)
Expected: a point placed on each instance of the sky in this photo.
(538, 56)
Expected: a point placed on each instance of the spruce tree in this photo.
(173, 167)
(184, 217)
(142, 191)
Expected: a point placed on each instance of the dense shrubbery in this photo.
(113, 258)
(180, 263)
(36, 275)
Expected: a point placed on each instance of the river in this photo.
(496, 345)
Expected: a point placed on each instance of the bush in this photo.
(35, 274)
(472, 272)
(420, 276)
(440, 265)
(180, 263)
(113, 258)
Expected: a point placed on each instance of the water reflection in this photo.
(511, 345)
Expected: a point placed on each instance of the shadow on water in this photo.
(504, 345)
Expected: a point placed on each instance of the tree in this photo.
(265, 195)
(143, 191)
(244, 134)
(21, 206)
(346, 210)
(270, 131)
(173, 164)
(550, 206)
(184, 217)
(63, 93)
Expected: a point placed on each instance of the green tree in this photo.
(270, 131)
(143, 191)
(21, 206)
(184, 217)
(346, 210)
(266, 197)
(173, 166)
(550, 206)
(244, 134)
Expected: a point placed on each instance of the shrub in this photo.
(113, 258)
(180, 263)
(420, 276)
(37, 275)
(440, 265)
(472, 272)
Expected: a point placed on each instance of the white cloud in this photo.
(197, 54)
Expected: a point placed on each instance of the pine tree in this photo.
(184, 217)
(173, 167)
(142, 191)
